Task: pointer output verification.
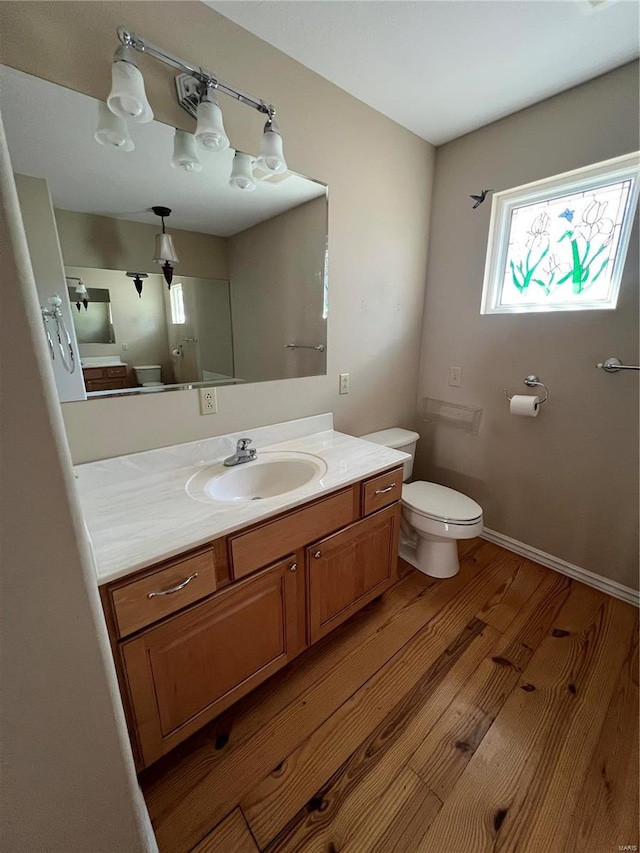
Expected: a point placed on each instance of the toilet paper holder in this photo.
(531, 381)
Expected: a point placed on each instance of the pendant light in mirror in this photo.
(137, 280)
(165, 253)
(82, 297)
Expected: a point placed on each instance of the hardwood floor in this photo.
(493, 711)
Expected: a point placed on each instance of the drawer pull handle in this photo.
(293, 567)
(384, 491)
(317, 555)
(174, 588)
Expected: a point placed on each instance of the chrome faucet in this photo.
(242, 454)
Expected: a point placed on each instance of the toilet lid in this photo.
(440, 503)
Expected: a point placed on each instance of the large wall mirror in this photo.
(249, 296)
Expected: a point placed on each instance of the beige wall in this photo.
(279, 300)
(103, 242)
(68, 782)
(566, 482)
(377, 225)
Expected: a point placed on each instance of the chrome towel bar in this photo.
(613, 365)
(319, 347)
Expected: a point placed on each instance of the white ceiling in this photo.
(442, 68)
(50, 135)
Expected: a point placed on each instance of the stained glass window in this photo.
(560, 244)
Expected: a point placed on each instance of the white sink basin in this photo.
(270, 475)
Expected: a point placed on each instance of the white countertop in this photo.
(138, 512)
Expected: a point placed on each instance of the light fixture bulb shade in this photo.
(210, 131)
(185, 156)
(112, 131)
(271, 157)
(241, 174)
(164, 250)
(127, 98)
(81, 290)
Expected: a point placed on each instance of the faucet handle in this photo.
(243, 443)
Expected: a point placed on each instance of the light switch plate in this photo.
(455, 377)
(208, 401)
(344, 383)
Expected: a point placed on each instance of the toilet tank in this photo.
(147, 373)
(399, 439)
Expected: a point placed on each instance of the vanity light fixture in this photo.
(271, 157)
(197, 91)
(128, 98)
(241, 174)
(112, 131)
(165, 253)
(82, 297)
(137, 280)
(210, 131)
(185, 156)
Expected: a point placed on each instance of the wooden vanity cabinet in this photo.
(195, 633)
(105, 378)
(350, 568)
(188, 669)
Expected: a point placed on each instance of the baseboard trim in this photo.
(617, 590)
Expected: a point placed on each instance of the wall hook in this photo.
(531, 381)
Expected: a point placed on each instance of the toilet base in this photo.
(431, 555)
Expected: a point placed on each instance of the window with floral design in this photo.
(560, 244)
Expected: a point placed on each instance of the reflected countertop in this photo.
(138, 512)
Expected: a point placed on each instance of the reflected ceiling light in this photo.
(197, 91)
(82, 297)
(185, 156)
(210, 130)
(241, 175)
(137, 280)
(127, 98)
(165, 253)
(112, 131)
(271, 157)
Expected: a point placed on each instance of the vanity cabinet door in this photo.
(350, 568)
(187, 670)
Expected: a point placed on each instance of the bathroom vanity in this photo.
(196, 630)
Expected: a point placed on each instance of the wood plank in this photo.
(276, 800)
(606, 815)
(349, 800)
(402, 830)
(522, 785)
(186, 819)
(449, 746)
(230, 836)
(501, 612)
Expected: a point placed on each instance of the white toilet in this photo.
(433, 517)
(148, 375)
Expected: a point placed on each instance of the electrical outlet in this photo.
(455, 376)
(344, 383)
(125, 347)
(208, 401)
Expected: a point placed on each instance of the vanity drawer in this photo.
(164, 592)
(276, 539)
(92, 373)
(113, 372)
(381, 491)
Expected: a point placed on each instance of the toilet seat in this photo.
(440, 503)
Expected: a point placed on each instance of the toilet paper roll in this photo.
(524, 406)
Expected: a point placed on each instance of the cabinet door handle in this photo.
(317, 555)
(384, 491)
(293, 567)
(173, 588)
